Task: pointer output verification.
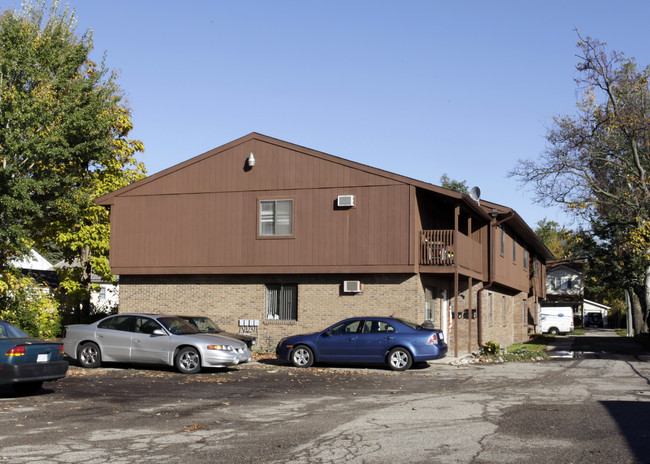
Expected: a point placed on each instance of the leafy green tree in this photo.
(558, 239)
(596, 166)
(453, 184)
(28, 307)
(63, 141)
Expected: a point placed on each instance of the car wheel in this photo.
(554, 331)
(89, 355)
(188, 361)
(27, 388)
(399, 359)
(302, 356)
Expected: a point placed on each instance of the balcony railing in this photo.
(437, 248)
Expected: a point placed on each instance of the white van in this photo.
(556, 320)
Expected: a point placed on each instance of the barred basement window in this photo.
(282, 302)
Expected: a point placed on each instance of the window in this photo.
(123, 323)
(282, 302)
(490, 310)
(525, 259)
(503, 310)
(536, 267)
(377, 327)
(514, 250)
(345, 328)
(145, 325)
(276, 218)
(524, 319)
(503, 242)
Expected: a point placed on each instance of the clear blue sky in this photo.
(419, 88)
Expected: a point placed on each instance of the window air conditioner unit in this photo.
(345, 201)
(352, 286)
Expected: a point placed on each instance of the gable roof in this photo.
(483, 211)
(108, 199)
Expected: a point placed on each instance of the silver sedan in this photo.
(151, 339)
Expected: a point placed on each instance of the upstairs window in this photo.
(503, 242)
(276, 218)
(525, 259)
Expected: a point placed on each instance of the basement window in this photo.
(282, 302)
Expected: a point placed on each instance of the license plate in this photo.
(43, 357)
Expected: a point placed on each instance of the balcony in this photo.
(437, 248)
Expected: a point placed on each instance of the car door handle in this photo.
(350, 339)
(136, 340)
(389, 338)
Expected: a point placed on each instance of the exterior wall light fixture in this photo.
(251, 160)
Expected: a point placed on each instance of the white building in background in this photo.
(591, 308)
(33, 262)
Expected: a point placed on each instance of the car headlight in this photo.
(220, 347)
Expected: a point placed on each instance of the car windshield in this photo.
(9, 331)
(178, 326)
(207, 325)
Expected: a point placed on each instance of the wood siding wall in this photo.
(203, 218)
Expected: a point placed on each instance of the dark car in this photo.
(593, 320)
(25, 362)
(374, 340)
(207, 325)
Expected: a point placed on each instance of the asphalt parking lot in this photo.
(590, 408)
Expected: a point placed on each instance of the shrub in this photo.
(27, 306)
(491, 348)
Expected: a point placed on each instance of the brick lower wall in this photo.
(321, 302)
(227, 299)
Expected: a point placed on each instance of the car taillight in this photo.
(17, 351)
(61, 349)
(433, 340)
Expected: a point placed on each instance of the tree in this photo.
(596, 166)
(452, 184)
(63, 141)
(558, 239)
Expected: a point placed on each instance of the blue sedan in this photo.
(375, 340)
(25, 363)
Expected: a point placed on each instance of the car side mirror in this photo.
(159, 332)
(326, 333)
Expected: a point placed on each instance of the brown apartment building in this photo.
(273, 238)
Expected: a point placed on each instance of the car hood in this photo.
(212, 339)
(300, 337)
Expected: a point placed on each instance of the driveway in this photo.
(590, 409)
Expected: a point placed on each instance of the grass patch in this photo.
(578, 332)
(532, 350)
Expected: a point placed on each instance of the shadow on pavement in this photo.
(632, 420)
